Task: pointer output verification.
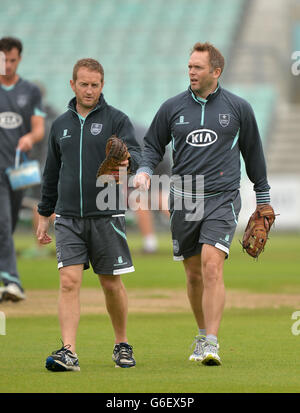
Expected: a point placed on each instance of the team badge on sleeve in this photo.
(224, 119)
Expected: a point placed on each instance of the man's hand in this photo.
(41, 232)
(25, 143)
(142, 181)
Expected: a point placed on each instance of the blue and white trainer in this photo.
(123, 355)
(62, 360)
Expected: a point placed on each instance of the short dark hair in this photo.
(216, 58)
(8, 43)
(90, 64)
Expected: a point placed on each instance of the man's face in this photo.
(12, 60)
(202, 76)
(87, 87)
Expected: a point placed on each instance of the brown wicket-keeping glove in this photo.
(257, 230)
(116, 152)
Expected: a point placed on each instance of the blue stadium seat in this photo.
(143, 45)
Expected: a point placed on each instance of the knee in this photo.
(212, 273)
(194, 277)
(110, 284)
(68, 283)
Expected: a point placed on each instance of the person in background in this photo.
(33, 194)
(21, 126)
(144, 215)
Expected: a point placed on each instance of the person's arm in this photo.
(37, 122)
(252, 152)
(36, 134)
(42, 230)
(50, 177)
(157, 138)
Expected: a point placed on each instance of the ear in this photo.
(217, 72)
(72, 84)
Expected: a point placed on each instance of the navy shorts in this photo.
(216, 226)
(100, 241)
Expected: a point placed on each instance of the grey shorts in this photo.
(100, 241)
(216, 227)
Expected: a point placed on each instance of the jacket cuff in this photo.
(146, 170)
(44, 212)
(263, 197)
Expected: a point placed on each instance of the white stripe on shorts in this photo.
(60, 265)
(123, 270)
(119, 215)
(180, 258)
(222, 247)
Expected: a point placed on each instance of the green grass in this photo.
(258, 351)
(277, 270)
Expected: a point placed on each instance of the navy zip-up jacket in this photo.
(76, 149)
(207, 137)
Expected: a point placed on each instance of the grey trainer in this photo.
(198, 352)
(210, 354)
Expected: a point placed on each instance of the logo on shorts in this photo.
(224, 119)
(226, 239)
(96, 128)
(175, 246)
(120, 261)
(201, 137)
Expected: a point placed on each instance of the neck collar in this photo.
(11, 86)
(73, 103)
(211, 96)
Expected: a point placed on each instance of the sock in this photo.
(213, 339)
(202, 331)
(150, 243)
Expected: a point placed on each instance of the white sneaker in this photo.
(13, 292)
(198, 352)
(210, 354)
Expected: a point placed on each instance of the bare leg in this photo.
(213, 300)
(145, 222)
(116, 304)
(205, 287)
(192, 267)
(69, 303)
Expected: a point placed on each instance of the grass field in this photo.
(258, 350)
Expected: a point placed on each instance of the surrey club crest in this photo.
(224, 119)
(22, 100)
(96, 128)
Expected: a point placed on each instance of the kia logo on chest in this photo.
(201, 137)
(10, 120)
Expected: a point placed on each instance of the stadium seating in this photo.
(262, 99)
(143, 45)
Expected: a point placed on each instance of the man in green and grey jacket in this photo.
(86, 233)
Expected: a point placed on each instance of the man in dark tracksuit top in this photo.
(209, 127)
(21, 126)
(83, 232)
